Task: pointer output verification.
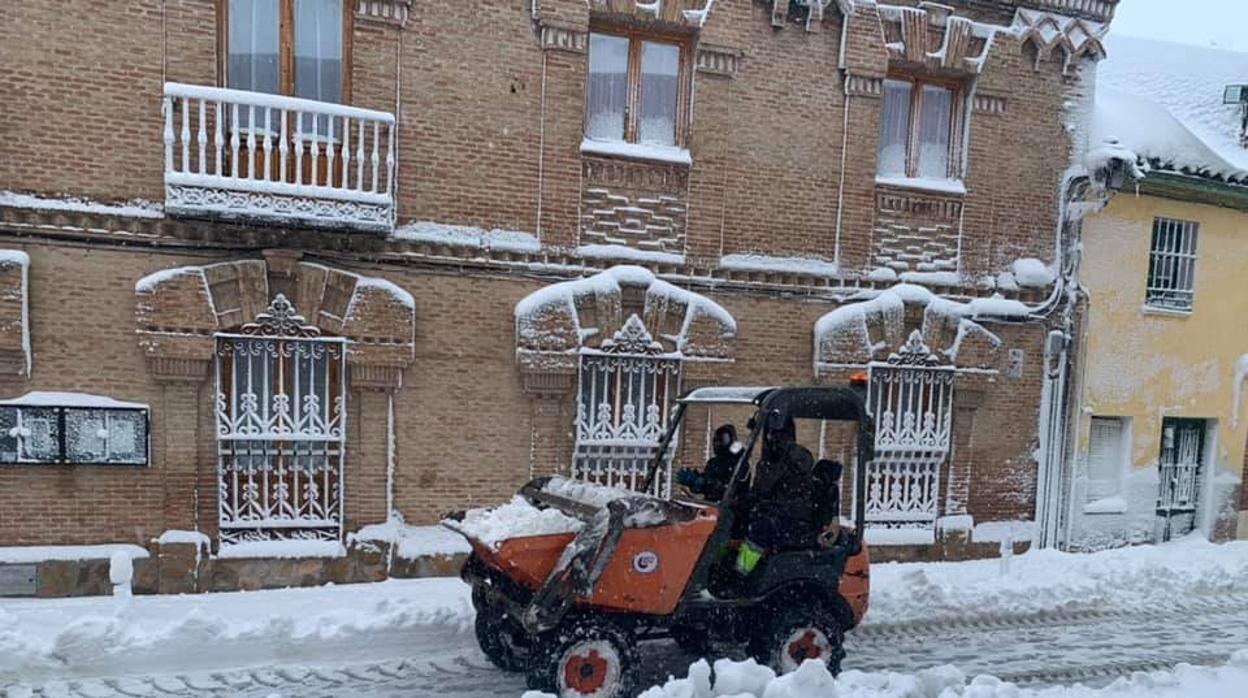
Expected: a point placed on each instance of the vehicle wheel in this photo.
(693, 640)
(501, 637)
(804, 631)
(587, 660)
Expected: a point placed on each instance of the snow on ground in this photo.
(1047, 580)
(1112, 609)
(44, 639)
(812, 680)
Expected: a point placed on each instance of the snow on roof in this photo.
(1164, 101)
(42, 398)
(137, 208)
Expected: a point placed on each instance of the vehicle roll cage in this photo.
(822, 403)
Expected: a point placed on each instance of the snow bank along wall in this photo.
(770, 210)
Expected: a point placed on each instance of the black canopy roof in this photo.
(813, 402)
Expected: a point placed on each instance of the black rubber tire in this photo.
(695, 641)
(501, 637)
(826, 633)
(583, 639)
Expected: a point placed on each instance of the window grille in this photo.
(623, 407)
(281, 429)
(911, 399)
(1172, 265)
(73, 435)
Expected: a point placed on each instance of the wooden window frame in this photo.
(957, 121)
(684, 82)
(286, 46)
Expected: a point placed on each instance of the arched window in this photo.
(281, 429)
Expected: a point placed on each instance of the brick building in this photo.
(331, 260)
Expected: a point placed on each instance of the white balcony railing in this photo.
(249, 155)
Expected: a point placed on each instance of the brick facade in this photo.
(489, 103)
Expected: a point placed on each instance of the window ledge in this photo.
(938, 186)
(637, 151)
(1166, 312)
(1107, 505)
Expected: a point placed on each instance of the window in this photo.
(635, 89)
(73, 435)
(281, 429)
(1106, 455)
(288, 47)
(624, 401)
(1172, 265)
(918, 130)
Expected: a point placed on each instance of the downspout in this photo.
(840, 190)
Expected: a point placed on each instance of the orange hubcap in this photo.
(585, 673)
(805, 647)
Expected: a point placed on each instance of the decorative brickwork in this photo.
(389, 11)
(179, 311)
(916, 231)
(687, 13)
(554, 37)
(1058, 37)
(638, 204)
(930, 35)
(718, 60)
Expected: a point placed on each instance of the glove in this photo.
(688, 477)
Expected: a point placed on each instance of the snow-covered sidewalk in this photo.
(60, 639)
(414, 637)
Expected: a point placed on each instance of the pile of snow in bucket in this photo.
(518, 518)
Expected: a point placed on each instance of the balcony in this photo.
(236, 155)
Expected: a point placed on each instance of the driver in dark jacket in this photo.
(713, 480)
(782, 513)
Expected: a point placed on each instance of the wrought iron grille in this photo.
(910, 396)
(281, 429)
(622, 410)
(1182, 449)
(1172, 265)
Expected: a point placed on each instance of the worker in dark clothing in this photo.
(782, 511)
(713, 480)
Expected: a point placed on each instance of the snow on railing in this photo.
(238, 154)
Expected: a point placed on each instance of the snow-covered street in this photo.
(1045, 619)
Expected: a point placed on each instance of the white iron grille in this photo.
(1182, 447)
(622, 411)
(1172, 265)
(281, 432)
(912, 407)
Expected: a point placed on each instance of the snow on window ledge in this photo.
(938, 186)
(1166, 312)
(1107, 505)
(751, 262)
(637, 151)
(282, 549)
(632, 254)
(900, 536)
(31, 554)
(137, 208)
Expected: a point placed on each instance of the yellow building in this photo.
(1160, 427)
